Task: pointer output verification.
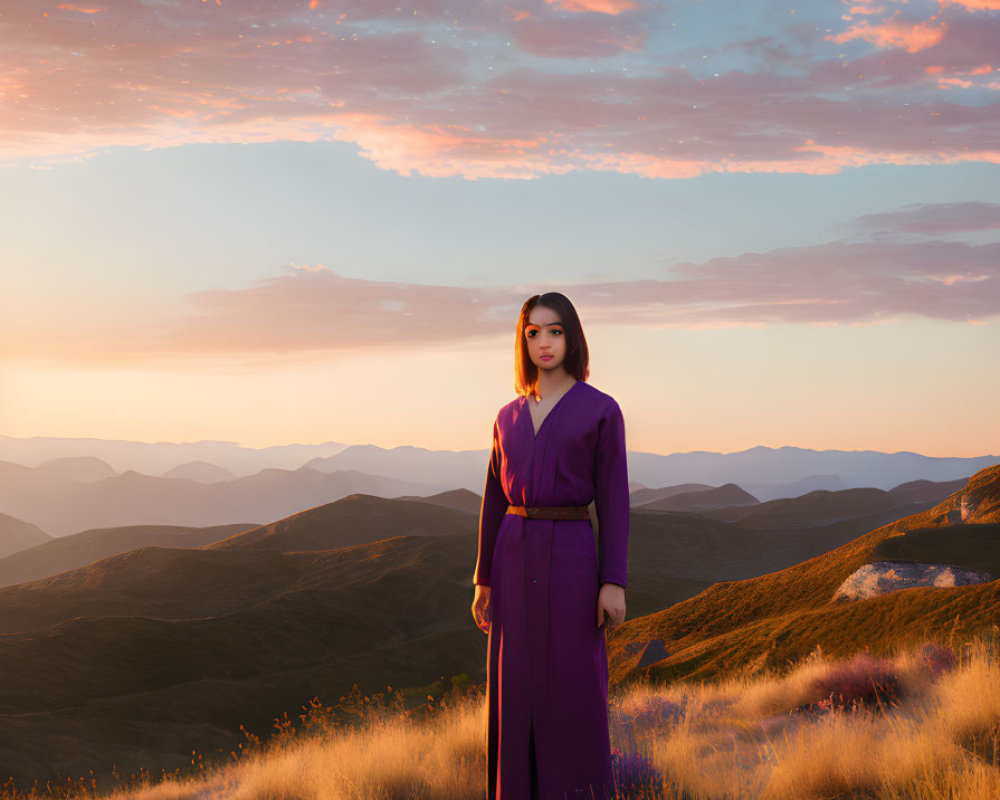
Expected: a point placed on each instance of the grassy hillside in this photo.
(922, 725)
(766, 621)
(141, 657)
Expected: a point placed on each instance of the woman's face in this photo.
(545, 338)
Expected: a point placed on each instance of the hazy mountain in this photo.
(155, 458)
(61, 507)
(200, 471)
(78, 549)
(80, 469)
(725, 496)
(463, 468)
(762, 471)
(754, 468)
(644, 495)
(810, 483)
(758, 470)
(16, 534)
(460, 499)
(823, 507)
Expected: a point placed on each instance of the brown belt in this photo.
(550, 512)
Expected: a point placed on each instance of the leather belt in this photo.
(550, 512)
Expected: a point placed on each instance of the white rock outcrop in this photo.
(882, 577)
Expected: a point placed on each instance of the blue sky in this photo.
(778, 221)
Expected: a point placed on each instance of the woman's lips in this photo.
(546, 358)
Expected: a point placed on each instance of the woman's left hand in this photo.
(611, 599)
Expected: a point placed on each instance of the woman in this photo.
(541, 595)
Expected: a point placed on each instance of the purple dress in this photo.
(547, 668)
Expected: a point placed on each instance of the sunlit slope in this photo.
(674, 555)
(767, 620)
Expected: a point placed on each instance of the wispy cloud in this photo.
(933, 219)
(311, 311)
(501, 90)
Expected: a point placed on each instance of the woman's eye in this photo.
(556, 330)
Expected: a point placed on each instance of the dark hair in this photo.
(577, 360)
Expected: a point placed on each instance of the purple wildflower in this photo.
(860, 681)
(634, 777)
(937, 659)
(658, 714)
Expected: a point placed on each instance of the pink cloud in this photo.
(973, 5)
(80, 9)
(418, 102)
(601, 6)
(910, 36)
(311, 311)
(865, 8)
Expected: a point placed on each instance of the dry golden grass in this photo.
(752, 738)
(935, 735)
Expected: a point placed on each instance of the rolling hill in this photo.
(771, 619)
(16, 534)
(78, 549)
(143, 656)
(725, 496)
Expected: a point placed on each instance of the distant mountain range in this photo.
(72, 493)
(761, 471)
(63, 498)
(156, 458)
(764, 472)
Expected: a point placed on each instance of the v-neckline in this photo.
(531, 422)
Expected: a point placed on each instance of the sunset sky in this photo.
(281, 222)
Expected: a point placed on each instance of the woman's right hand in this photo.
(482, 609)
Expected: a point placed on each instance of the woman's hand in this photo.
(482, 610)
(611, 599)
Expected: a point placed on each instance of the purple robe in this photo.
(547, 668)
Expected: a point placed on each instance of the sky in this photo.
(301, 222)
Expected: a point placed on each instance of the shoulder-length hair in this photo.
(577, 360)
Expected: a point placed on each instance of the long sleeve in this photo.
(491, 512)
(611, 496)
